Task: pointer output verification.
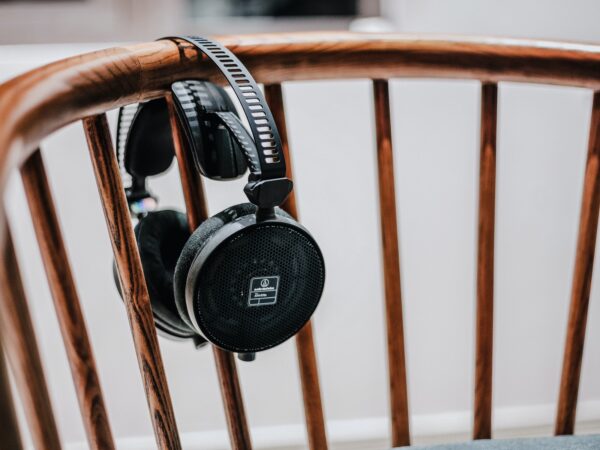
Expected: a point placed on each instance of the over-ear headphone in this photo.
(250, 276)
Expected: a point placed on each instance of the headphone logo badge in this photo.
(264, 283)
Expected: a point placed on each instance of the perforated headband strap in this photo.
(270, 187)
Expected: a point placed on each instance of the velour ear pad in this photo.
(161, 236)
(222, 100)
(149, 146)
(196, 243)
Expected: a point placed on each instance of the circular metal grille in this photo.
(223, 288)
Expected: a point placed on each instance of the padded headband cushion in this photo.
(161, 236)
(149, 146)
(196, 243)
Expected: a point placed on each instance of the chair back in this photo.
(83, 88)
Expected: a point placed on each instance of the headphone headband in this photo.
(267, 184)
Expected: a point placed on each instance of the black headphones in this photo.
(249, 277)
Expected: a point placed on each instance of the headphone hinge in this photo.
(268, 193)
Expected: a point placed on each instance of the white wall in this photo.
(541, 154)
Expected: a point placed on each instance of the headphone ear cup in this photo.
(247, 286)
(161, 236)
(217, 155)
(231, 161)
(195, 244)
(149, 146)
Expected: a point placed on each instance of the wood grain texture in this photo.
(391, 267)
(18, 337)
(67, 304)
(133, 283)
(231, 393)
(197, 212)
(90, 84)
(274, 98)
(305, 346)
(482, 427)
(582, 280)
(10, 437)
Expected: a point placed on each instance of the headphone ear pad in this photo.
(229, 159)
(216, 152)
(195, 244)
(149, 146)
(161, 236)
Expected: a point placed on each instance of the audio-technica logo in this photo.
(263, 290)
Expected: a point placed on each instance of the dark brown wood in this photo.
(582, 280)
(67, 304)
(274, 97)
(482, 427)
(10, 437)
(305, 346)
(311, 390)
(18, 337)
(197, 212)
(231, 393)
(91, 84)
(391, 267)
(96, 82)
(133, 283)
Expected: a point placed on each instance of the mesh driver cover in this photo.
(235, 269)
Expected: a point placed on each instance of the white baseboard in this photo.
(372, 433)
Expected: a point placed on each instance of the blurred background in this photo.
(541, 153)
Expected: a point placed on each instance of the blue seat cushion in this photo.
(549, 443)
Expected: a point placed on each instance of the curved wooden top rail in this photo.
(43, 100)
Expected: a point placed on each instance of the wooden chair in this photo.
(84, 87)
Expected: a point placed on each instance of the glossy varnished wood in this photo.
(305, 346)
(391, 266)
(133, 284)
(274, 97)
(66, 303)
(93, 83)
(10, 438)
(197, 212)
(18, 338)
(233, 402)
(582, 280)
(482, 427)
